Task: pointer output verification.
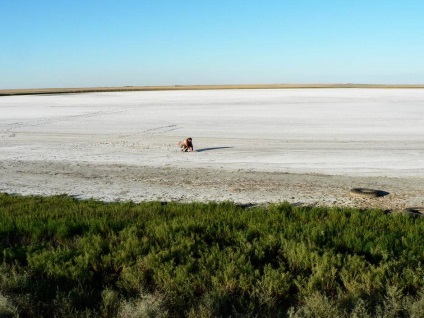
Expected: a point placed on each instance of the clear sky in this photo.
(61, 43)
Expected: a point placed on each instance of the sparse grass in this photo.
(68, 258)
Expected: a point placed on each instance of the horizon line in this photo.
(129, 88)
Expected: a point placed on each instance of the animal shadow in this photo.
(212, 148)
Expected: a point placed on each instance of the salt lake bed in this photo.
(305, 146)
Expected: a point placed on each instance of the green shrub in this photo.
(144, 306)
(6, 308)
(70, 258)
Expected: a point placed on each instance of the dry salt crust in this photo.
(304, 146)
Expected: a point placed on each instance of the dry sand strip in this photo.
(120, 182)
(37, 91)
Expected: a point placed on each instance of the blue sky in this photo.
(58, 43)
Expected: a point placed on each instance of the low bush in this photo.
(63, 257)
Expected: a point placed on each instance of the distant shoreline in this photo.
(36, 91)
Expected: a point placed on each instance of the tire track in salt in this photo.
(161, 129)
(9, 128)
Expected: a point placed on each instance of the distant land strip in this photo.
(35, 91)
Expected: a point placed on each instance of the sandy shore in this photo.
(117, 182)
(304, 146)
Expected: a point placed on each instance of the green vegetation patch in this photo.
(69, 258)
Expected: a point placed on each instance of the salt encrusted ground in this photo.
(306, 146)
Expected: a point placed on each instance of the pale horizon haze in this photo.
(49, 44)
